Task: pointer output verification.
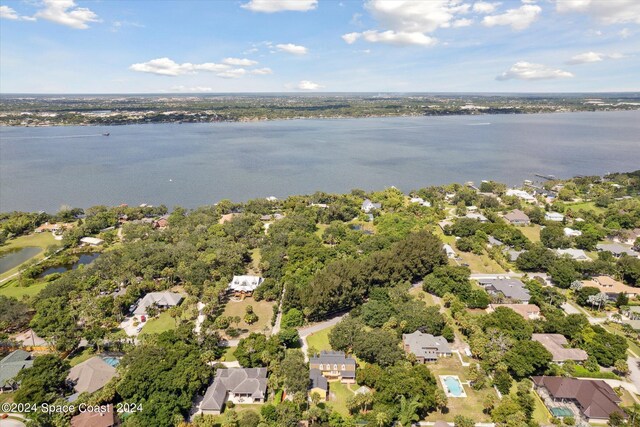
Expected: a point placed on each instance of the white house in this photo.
(91, 241)
(421, 202)
(553, 216)
(245, 285)
(449, 250)
(570, 232)
(522, 195)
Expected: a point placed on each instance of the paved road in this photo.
(276, 326)
(308, 330)
(572, 309)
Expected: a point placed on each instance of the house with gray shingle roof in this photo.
(368, 206)
(517, 217)
(426, 347)
(160, 299)
(512, 289)
(335, 365)
(238, 385)
(90, 376)
(10, 366)
(616, 249)
(318, 384)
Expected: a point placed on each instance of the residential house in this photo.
(611, 287)
(90, 376)
(616, 249)
(425, 347)
(335, 365)
(91, 241)
(363, 390)
(477, 216)
(512, 289)
(318, 384)
(449, 250)
(243, 286)
(108, 418)
(368, 206)
(528, 311)
(570, 232)
(575, 254)
(556, 345)
(162, 222)
(520, 194)
(162, 300)
(517, 217)
(632, 312)
(512, 254)
(554, 216)
(494, 242)
(444, 223)
(10, 366)
(420, 201)
(594, 399)
(237, 385)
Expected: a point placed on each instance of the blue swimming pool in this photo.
(113, 361)
(453, 385)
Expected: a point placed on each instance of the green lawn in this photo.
(228, 355)
(338, 395)
(162, 323)
(264, 310)
(540, 412)
(421, 295)
(584, 206)
(320, 340)
(256, 256)
(11, 289)
(470, 406)
(532, 232)
(40, 240)
(86, 354)
(479, 263)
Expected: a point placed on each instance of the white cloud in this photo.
(7, 13)
(270, 6)
(415, 16)
(292, 49)
(624, 33)
(262, 71)
(588, 57)
(392, 37)
(232, 74)
(518, 19)
(462, 22)
(308, 85)
(351, 38)
(605, 11)
(197, 89)
(168, 67)
(485, 7)
(65, 12)
(117, 25)
(527, 71)
(244, 62)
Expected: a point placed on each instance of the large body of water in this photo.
(196, 164)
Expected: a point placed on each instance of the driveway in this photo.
(9, 422)
(306, 331)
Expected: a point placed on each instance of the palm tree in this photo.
(408, 411)
(382, 419)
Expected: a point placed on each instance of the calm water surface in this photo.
(195, 164)
(15, 257)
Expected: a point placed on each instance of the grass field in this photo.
(264, 310)
(40, 240)
(228, 355)
(532, 232)
(472, 405)
(11, 289)
(479, 263)
(86, 354)
(320, 340)
(585, 206)
(338, 395)
(421, 295)
(160, 324)
(256, 256)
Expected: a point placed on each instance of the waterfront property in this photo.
(368, 206)
(591, 400)
(335, 365)
(512, 289)
(244, 286)
(556, 345)
(237, 385)
(522, 195)
(425, 347)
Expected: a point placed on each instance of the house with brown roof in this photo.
(594, 399)
(517, 217)
(106, 418)
(528, 311)
(556, 344)
(611, 286)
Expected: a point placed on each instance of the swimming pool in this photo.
(113, 361)
(453, 387)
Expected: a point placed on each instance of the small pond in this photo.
(14, 257)
(83, 260)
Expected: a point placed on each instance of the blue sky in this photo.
(108, 46)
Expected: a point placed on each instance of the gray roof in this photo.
(495, 242)
(162, 299)
(510, 288)
(516, 215)
(12, 364)
(426, 345)
(616, 249)
(577, 254)
(318, 380)
(234, 380)
(91, 375)
(333, 357)
(367, 205)
(555, 344)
